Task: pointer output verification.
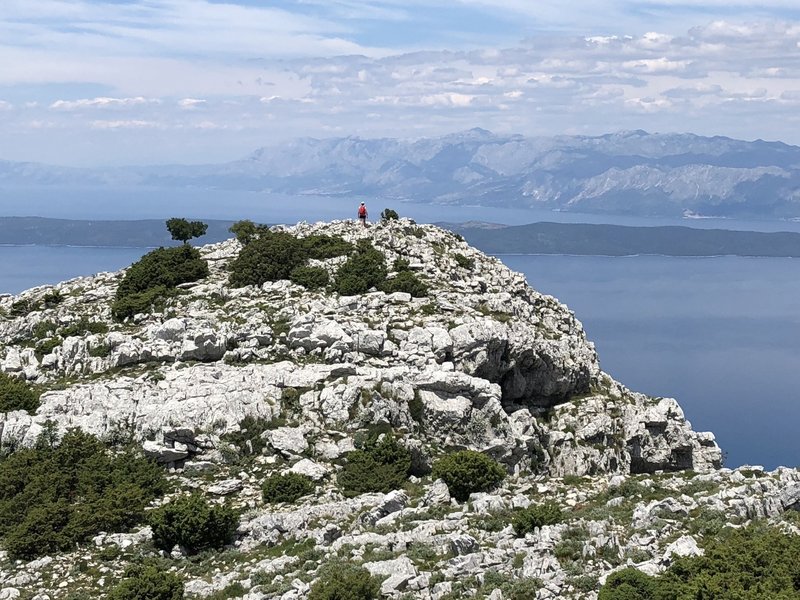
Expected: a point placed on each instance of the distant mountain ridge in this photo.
(632, 172)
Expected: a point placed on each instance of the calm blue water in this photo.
(719, 334)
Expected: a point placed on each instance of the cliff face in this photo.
(484, 362)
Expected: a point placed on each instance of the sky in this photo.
(90, 83)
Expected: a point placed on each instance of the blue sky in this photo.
(84, 82)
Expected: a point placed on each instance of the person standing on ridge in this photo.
(362, 214)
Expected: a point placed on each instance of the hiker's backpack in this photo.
(362, 211)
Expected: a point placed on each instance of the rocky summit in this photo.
(228, 387)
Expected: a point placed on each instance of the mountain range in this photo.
(631, 172)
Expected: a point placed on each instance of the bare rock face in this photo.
(483, 362)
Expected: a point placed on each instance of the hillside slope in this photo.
(483, 362)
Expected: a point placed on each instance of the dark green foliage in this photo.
(52, 299)
(344, 581)
(363, 270)
(381, 466)
(406, 281)
(389, 215)
(326, 246)
(270, 257)
(246, 231)
(193, 523)
(47, 346)
(44, 329)
(55, 496)
(311, 278)
(248, 440)
(141, 302)
(286, 488)
(526, 520)
(401, 264)
(165, 267)
(148, 583)
(82, 327)
(16, 394)
(183, 230)
(21, 308)
(464, 262)
(101, 351)
(628, 584)
(750, 563)
(468, 471)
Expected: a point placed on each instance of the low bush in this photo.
(749, 563)
(468, 471)
(45, 347)
(52, 299)
(406, 281)
(248, 440)
(464, 262)
(22, 308)
(365, 269)
(326, 246)
(381, 466)
(192, 523)
(286, 488)
(311, 278)
(525, 520)
(389, 215)
(82, 327)
(269, 257)
(148, 583)
(165, 267)
(55, 496)
(345, 581)
(154, 278)
(16, 394)
(141, 302)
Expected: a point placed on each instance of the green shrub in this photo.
(148, 583)
(167, 267)
(55, 496)
(183, 230)
(468, 471)
(365, 269)
(52, 298)
(464, 262)
(406, 281)
(45, 347)
(270, 257)
(22, 308)
(286, 488)
(16, 394)
(310, 277)
(44, 329)
(401, 264)
(141, 302)
(193, 523)
(82, 327)
(100, 351)
(248, 439)
(749, 563)
(525, 520)
(246, 231)
(326, 246)
(381, 466)
(344, 581)
(389, 215)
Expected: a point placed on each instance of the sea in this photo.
(720, 334)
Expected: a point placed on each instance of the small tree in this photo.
(184, 230)
(389, 215)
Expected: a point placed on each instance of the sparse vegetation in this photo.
(464, 262)
(148, 583)
(526, 520)
(311, 278)
(389, 215)
(363, 270)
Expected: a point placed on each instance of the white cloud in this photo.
(101, 103)
(5, 105)
(126, 124)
